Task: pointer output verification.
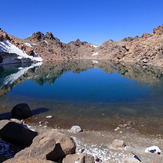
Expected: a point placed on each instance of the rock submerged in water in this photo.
(21, 111)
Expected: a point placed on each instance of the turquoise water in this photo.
(84, 89)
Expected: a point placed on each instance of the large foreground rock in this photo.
(21, 111)
(29, 160)
(79, 158)
(51, 145)
(17, 134)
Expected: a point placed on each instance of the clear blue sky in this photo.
(93, 21)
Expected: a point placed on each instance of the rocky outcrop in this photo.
(51, 145)
(147, 49)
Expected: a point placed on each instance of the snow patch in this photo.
(94, 61)
(27, 44)
(95, 46)
(46, 42)
(34, 44)
(7, 47)
(94, 54)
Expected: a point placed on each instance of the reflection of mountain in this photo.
(11, 76)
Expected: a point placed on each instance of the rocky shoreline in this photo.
(73, 145)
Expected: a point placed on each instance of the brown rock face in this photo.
(158, 30)
(131, 50)
(51, 146)
(148, 48)
(29, 160)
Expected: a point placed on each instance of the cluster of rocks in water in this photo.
(50, 146)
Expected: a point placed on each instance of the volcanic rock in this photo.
(21, 111)
(17, 134)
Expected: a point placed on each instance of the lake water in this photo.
(96, 95)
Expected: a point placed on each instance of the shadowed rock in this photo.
(21, 111)
(17, 134)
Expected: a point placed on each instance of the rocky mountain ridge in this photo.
(147, 49)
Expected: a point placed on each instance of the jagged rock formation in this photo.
(51, 48)
(147, 49)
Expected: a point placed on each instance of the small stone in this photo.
(75, 129)
(118, 143)
(49, 116)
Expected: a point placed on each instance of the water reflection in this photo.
(91, 93)
(13, 75)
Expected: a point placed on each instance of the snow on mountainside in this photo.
(7, 47)
(15, 50)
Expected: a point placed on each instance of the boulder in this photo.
(75, 129)
(21, 111)
(78, 158)
(51, 145)
(118, 143)
(17, 134)
(29, 160)
(42, 145)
